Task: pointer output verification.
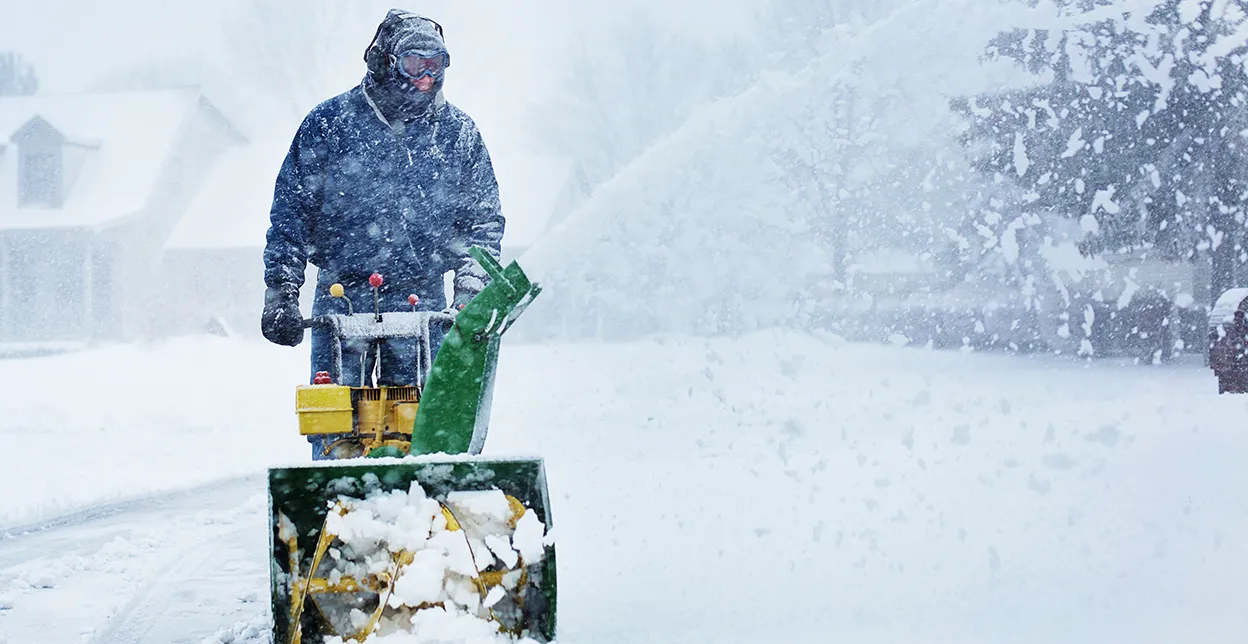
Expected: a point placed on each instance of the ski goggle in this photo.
(414, 64)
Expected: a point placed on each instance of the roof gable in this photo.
(119, 143)
(36, 129)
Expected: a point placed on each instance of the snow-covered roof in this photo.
(131, 135)
(232, 208)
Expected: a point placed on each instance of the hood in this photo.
(396, 100)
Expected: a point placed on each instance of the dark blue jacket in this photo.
(356, 196)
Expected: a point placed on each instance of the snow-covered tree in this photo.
(619, 96)
(17, 77)
(287, 56)
(1138, 132)
(857, 185)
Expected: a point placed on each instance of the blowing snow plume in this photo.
(764, 207)
(724, 225)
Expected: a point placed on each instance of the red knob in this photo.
(375, 280)
(413, 300)
(322, 378)
(460, 306)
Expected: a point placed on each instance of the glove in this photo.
(281, 322)
(452, 312)
(468, 282)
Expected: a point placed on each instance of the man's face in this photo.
(421, 69)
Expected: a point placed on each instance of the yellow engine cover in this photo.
(339, 409)
(403, 417)
(324, 409)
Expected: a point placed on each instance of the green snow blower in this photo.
(404, 527)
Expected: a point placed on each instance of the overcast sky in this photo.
(72, 41)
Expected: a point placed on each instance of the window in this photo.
(39, 177)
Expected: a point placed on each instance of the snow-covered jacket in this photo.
(357, 195)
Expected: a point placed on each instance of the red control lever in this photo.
(375, 281)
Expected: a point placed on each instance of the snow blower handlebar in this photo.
(372, 327)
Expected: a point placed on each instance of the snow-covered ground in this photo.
(778, 487)
(104, 425)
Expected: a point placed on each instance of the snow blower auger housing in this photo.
(405, 528)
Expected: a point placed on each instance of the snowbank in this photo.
(86, 428)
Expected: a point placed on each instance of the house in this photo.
(214, 258)
(91, 187)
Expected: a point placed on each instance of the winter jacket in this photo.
(357, 196)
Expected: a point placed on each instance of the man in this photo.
(386, 178)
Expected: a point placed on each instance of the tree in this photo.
(836, 157)
(794, 31)
(864, 148)
(17, 77)
(618, 97)
(1138, 134)
(287, 56)
(621, 96)
(738, 218)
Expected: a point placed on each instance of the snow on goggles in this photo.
(415, 64)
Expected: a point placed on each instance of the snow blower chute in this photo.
(405, 528)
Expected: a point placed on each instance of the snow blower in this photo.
(404, 527)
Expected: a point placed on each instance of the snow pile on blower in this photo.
(428, 570)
